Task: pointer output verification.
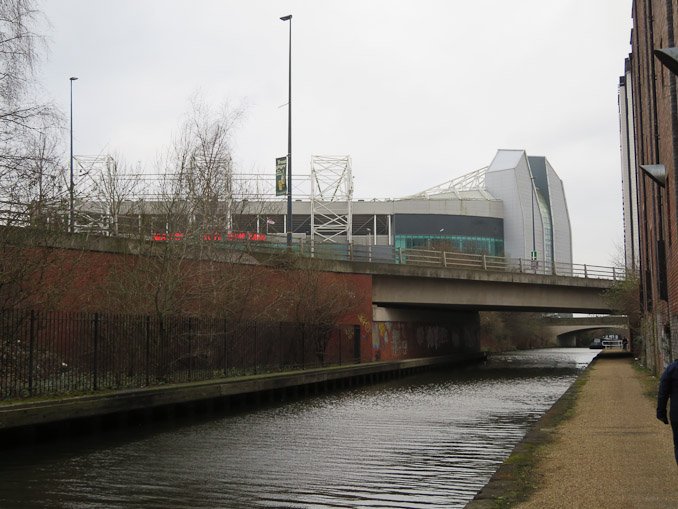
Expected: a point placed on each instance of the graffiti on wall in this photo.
(389, 340)
(434, 337)
(400, 340)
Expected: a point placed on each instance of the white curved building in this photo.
(536, 219)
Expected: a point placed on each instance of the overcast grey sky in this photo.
(417, 92)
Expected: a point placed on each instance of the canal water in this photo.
(426, 441)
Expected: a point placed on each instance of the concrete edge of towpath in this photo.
(24, 414)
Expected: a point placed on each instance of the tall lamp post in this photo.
(289, 139)
(533, 255)
(72, 187)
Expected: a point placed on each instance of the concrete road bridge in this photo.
(433, 287)
(424, 297)
(414, 278)
(566, 331)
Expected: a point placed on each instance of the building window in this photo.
(452, 243)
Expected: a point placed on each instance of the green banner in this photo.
(281, 176)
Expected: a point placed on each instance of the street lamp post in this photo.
(72, 186)
(289, 139)
(534, 238)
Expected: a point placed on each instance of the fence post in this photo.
(96, 352)
(30, 355)
(400, 255)
(484, 262)
(303, 346)
(444, 258)
(341, 333)
(148, 350)
(614, 274)
(225, 358)
(586, 273)
(190, 350)
(356, 343)
(520, 264)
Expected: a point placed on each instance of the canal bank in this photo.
(599, 445)
(427, 440)
(29, 421)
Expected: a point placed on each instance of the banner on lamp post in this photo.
(281, 176)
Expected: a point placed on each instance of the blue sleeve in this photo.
(664, 393)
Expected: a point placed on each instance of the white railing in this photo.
(612, 343)
(442, 259)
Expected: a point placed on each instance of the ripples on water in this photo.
(425, 441)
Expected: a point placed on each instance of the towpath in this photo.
(612, 453)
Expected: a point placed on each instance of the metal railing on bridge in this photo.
(341, 251)
(443, 259)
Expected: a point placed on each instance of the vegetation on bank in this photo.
(501, 331)
(648, 380)
(624, 299)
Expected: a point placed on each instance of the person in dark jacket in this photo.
(668, 389)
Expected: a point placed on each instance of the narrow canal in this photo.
(426, 441)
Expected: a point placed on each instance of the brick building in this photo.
(648, 101)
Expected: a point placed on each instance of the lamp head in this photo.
(656, 172)
(73, 78)
(286, 18)
(668, 57)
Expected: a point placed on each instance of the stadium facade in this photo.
(515, 207)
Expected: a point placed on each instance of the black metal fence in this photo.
(45, 353)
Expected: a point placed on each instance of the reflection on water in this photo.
(431, 440)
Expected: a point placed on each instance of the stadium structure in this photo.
(515, 207)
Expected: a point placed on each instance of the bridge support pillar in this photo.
(400, 333)
(567, 340)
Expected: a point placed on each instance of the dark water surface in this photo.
(425, 441)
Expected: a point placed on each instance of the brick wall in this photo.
(656, 124)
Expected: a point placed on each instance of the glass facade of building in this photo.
(456, 243)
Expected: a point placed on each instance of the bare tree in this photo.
(24, 122)
(201, 166)
(18, 49)
(319, 300)
(31, 177)
(114, 187)
(624, 299)
(39, 189)
(187, 268)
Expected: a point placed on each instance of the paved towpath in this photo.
(613, 452)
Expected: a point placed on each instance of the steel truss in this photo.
(474, 181)
(331, 197)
